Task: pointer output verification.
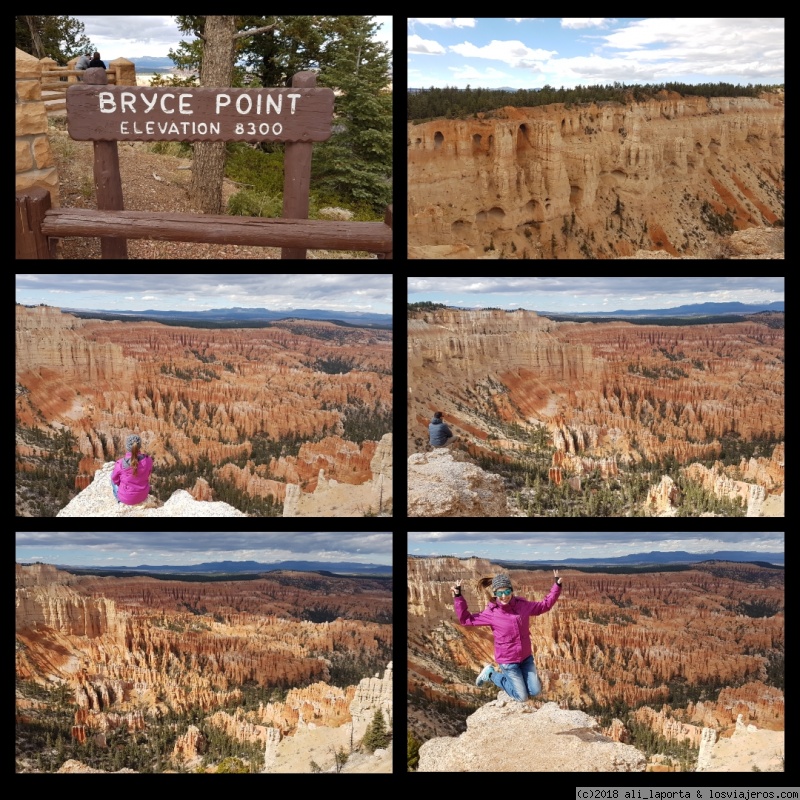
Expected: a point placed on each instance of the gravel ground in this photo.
(150, 182)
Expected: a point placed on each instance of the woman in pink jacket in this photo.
(130, 479)
(509, 618)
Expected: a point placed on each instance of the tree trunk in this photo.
(33, 25)
(208, 167)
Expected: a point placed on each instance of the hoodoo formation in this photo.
(606, 398)
(257, 660)
(249, 411)
(596, 180)
(654, 656)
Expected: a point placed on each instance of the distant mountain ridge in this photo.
(694, 309)
(253, 566)
(250, 315)
(660, 557)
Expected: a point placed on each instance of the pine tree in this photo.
(376, 734)
(356, 162)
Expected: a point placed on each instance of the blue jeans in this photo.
(519, 681)
(115, 489)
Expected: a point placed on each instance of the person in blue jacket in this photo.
(440, 433)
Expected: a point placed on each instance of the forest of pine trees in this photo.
(456, 103)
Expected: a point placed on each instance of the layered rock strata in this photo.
(132, 649)
(595, 179)
(635, 638)
(215, 396)
(607, 394)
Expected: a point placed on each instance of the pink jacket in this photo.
(509, 623)
(133, 489)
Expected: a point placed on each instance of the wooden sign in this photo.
(138, 113)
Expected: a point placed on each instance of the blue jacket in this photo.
(439, 432)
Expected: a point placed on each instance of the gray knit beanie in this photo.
(501, 581)
(132, 440)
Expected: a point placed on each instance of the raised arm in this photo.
(460, 606)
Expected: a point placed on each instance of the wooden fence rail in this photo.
(373, 237)
(38, 227)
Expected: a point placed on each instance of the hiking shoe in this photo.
(484, 677)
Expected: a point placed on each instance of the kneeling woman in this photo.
(130, 479)
(509, 618)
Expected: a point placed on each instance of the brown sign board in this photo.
(138, 113)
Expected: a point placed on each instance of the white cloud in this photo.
(468, 72)
(442, 22)
(513, 52)
(416, 44)
(586, 22)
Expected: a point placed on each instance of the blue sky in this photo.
(530, 52)
(370, 292)
(137, 36)
(551, 546)
(590, 293)
(156, 549)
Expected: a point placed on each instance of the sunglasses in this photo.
(503, 592)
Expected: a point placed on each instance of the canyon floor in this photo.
(663, 660)
(177, 675)
(559, 418)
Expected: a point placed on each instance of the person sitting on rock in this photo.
(130, 479)
(509, 618)
(440, 433)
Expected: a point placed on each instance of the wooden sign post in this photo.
(106, 114)
(138, 113)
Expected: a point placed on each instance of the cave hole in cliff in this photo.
(534, 211)
(698, 147)
(575, 195)
(418, 142)
(476, 144)
(493, 215)
(438, 138)
(461, 229)
(523, 139)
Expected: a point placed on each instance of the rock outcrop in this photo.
(97, 500)
(748, 749)
(549, 739)
(332, 498)
(441, 486)
(371, 695)
(665, 174)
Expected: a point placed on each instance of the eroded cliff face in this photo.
(643, 640)
(605, 395)
(654, 175)
(131, 649)
(261, 407)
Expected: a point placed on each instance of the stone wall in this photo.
(35, 164)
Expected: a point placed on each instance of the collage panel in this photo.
(596, 652)
(227, 652)
(596, 397)
(204, 395)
